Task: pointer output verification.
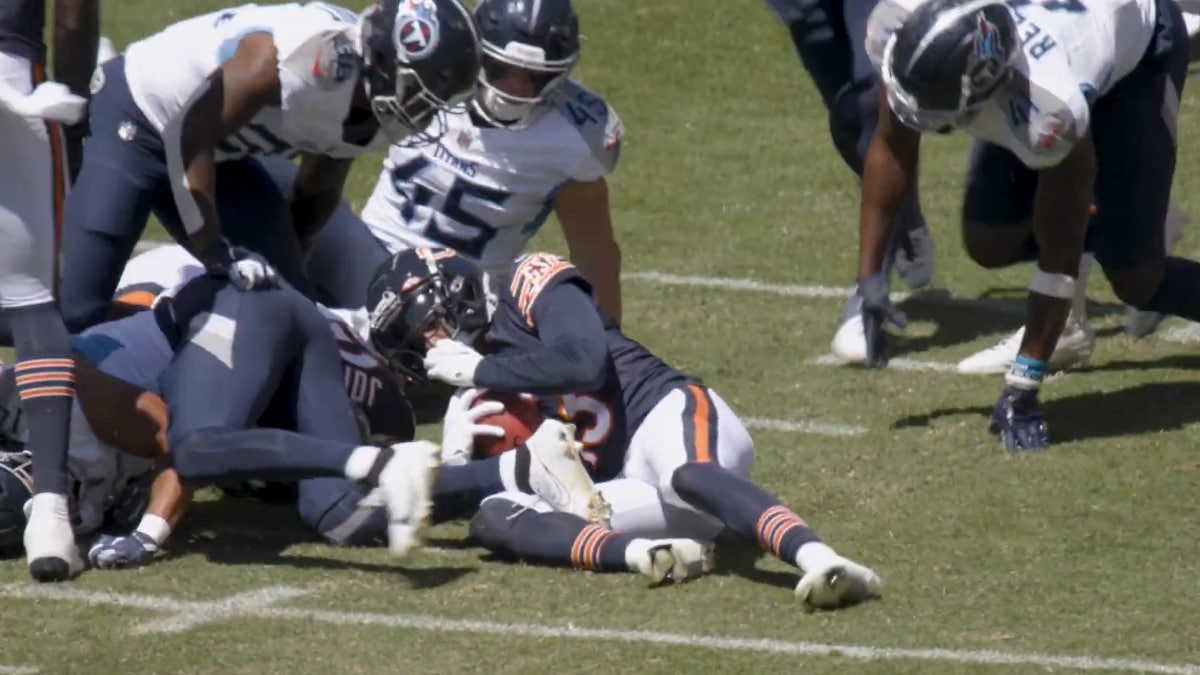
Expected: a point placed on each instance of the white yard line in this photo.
(804, 427)
(898, 363)
(259, 604)
(18, 670)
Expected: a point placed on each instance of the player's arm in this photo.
(1061, 209)
(583, 210)
(572, 354)
(228, 99)
(76, 39)
(889, 168)
(316, 193)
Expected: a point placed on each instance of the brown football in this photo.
(519, 419)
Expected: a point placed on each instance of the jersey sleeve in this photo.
(599, 129)
(1059, 115)
(534, 275)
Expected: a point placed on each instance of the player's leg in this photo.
(106, 211)
(33, 182)
(518, 526)
(694, 448)
(1135, 131)
(997, 232)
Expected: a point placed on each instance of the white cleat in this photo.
(1138, 323)
(1074, 348)
(850, 341)
(676, 560)
(49, 540)
(405, 490)
(557, 474)
(838, 582)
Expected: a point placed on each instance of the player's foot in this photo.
(405, 489)
(1138, 323)
(914, 258)
(1074, 349)
(49, 541)
(672, 560)
(835, 583)
(557, 474)
(850, 341)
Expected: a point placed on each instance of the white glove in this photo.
(452, 362)
(49, 101)
(461, 425)
(250, 271)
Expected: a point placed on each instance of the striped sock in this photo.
(781, 532)
(600, 549)
(47, 389)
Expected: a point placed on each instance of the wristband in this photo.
(1026, 373)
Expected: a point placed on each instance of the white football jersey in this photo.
(484, 191)
(1073, 53)
(318, 74)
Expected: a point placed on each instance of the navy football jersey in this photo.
(635, 380)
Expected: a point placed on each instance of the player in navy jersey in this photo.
(674, 457)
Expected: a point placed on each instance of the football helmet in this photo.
(415, 291)
(419, 57)
(946, 60)
(541, 38)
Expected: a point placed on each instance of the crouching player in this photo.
(678, 456)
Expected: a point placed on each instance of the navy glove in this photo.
(1018, 419)
(116, 552)
(877, 311)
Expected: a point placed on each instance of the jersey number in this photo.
(255, 139)
(593, 421)
(407, 175)
(1074, 6)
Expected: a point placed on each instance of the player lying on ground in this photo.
(675, 456)
(180, 118)
(135, 357)
(1082, 113)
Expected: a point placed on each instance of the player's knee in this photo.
(692, 478)
(493, 522)
(1135, 286)
(330, 507)
(994, 247)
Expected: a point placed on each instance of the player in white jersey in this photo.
(1074, 105)
(178, 119)
(532, 142)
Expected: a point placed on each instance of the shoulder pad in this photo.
(533, 274)
(598, 125)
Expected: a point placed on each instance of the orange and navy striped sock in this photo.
(45, 379)
(600, 549)
(743, 507)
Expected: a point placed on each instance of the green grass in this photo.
(727, 170)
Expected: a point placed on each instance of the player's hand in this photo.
(250, 271)
(118, 552)
(452, 362)
(1018, 419)
(877, 311)
(461, 425)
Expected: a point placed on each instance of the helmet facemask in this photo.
(514, 111)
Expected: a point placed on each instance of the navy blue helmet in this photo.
(540, 37)
(417, 291)
(420, 56)
(946, 60)
(16, 487)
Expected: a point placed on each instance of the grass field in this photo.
(1084, 558)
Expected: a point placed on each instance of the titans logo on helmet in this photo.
(988, 60)
(417, 28)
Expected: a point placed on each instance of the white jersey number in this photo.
(406, 179)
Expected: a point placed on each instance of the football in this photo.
(519, 419)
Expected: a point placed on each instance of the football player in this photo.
(180, 117)
(675, 456)
(342, 510)
(1074, 104)
(828, 35)
(533, 141)
(33, 183)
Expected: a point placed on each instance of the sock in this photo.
(1179, 292)
(360, 462)
(744, 508)
(45, 379)
(559, 539)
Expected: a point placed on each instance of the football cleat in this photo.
(557, 474)
(1074, 348)
(676, 560)
(49, 540)
(405, 490)
(837, 582)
